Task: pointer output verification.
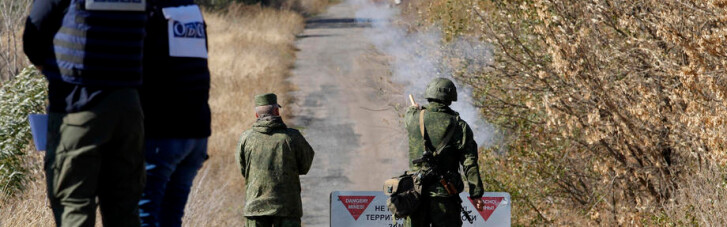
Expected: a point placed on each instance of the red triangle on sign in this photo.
(356, 204)
(491, 204)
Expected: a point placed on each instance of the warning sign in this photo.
(360, 208)
(368, 208)
(491, 204)
(356, 204)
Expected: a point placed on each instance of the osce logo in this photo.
(188, 30)
(119, 1)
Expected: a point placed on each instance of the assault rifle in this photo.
(428, 158)
(434, 172)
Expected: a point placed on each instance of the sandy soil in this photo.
(348, 110)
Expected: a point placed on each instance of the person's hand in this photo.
(479, 204)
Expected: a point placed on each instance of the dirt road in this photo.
(348, 110)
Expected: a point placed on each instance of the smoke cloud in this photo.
(418, 57)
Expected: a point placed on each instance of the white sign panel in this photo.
(368, 208)
(187, 37)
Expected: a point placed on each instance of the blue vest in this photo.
(100, 47)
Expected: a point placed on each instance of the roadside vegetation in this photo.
(19, 97)
(251, 51)
(613, 111)
(304, 7)
(12, 20)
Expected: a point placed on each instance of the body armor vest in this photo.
(100, 43)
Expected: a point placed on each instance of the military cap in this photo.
(266, 99)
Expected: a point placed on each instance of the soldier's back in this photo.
(437, 120)
(273, 157)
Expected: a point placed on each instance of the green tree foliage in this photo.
(23, 95)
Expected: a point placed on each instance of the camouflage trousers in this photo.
(96, 155)
(436, 212)
(272, 221)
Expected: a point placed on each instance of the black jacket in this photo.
(175, 90)
(43, 23)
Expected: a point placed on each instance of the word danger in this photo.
(356, 205)
(188, 30)
(120, 1)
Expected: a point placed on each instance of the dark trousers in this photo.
(436, 212)
(97, 154)
(171, 165)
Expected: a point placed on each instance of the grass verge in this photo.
(252, 51)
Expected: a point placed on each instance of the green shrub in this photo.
(23, 95)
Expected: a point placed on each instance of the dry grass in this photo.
(251, 52)
(31, 207)
(312, 7)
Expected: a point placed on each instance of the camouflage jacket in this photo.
(461, 149)
(271, 158)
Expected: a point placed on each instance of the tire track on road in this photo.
(348, 110)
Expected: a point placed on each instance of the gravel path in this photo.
(348, 110)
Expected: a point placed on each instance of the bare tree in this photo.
(614, 110)
(12, 16)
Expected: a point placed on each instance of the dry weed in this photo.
(251, 52)
(12, 16)
(31, 207)
(614, 110)
(312, 7)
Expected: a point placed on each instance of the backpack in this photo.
(405, 191)
(404, 194)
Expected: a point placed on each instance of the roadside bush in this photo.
(304, 7)
(19, 97)
(614, 111)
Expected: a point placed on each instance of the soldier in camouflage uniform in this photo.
(438, 207)
(271, 157)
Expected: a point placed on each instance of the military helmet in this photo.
(441, 89)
